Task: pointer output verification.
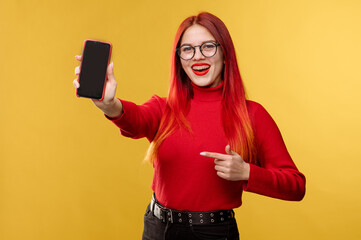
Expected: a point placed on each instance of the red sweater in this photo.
(184, 180)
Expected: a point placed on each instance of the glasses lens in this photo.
(209, 49)
(186, 52)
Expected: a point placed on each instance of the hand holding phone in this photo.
(110, 105)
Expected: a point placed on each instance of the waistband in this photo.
(189, 217)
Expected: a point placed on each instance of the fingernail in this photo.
(203, 154)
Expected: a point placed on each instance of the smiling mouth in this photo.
(200, 69)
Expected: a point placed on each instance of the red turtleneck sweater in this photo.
(184, 180)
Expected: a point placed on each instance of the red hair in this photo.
(236, 122)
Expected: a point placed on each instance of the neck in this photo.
(208, 94)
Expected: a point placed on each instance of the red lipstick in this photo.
(200, 69)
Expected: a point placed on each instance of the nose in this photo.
(197, 53)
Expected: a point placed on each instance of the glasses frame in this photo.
(194, 50)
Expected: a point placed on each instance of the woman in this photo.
(208, 143)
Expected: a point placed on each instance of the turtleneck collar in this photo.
(207, 94)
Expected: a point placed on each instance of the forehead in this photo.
(196, 34)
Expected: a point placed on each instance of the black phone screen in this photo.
(93, 70)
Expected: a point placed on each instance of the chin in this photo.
(203, 83)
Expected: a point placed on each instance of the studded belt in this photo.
(189, 217)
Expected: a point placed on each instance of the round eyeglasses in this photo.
(187, 52)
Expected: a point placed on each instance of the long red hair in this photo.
(236, 122)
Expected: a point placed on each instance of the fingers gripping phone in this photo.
(93, 69)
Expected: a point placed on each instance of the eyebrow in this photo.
(214, 41)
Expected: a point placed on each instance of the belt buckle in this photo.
(157, 212)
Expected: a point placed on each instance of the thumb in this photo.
(229, 151)
(110, 72)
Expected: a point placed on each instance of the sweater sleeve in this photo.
(138, 121)
(276, 175)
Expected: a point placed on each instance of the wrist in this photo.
(109, 104)
(113, 108)
(247, 170)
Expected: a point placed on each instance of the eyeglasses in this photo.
(187, 52)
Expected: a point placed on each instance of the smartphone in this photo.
(93, 69)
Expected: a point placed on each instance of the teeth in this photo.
(200, 68)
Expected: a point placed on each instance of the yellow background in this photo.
(66, 173)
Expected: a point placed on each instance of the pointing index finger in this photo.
(214, 155)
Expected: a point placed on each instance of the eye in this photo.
(186, 49)
(208, 46)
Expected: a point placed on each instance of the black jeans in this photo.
(155, 229)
